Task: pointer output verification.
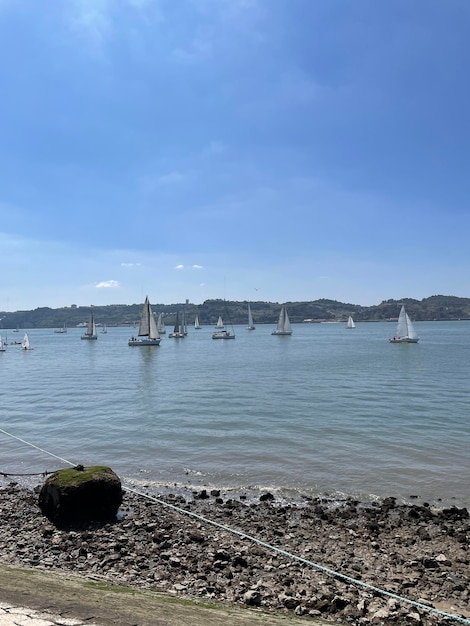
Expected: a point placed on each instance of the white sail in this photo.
(90, 332)
(148, 326)
(2, 347)
(406, 332)
(161, 324)
(25, 343)
(287, 326)
(283, 324)
(402, 326)
(412, 334)
(220, 323)
(351, 323)
(250, 326)
(197, 326)
(148, 331)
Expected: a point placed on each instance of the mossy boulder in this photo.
(81, 494)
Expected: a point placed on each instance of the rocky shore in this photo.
(411, 550)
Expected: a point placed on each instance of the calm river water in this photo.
(325, 410)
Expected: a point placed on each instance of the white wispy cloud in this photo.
(198, 267)
(108, 284)
(90, 20)
(170, 178)
(131, 264)
(179, 267)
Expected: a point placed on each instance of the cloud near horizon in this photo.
(108, 284)
(195, 266)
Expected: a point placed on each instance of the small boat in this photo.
(16, 330)
(61, 330)
(161, 324)
(197, 326)
(184, 326)
(2, 345)
(283, 324)
(222, 332)
(90, 332)
(351, 323)
(104, 330)
(25, 345)
(148, 332)
(178, 329)
(405, 330)
(250, 326)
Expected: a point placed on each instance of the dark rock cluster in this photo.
(409, 550)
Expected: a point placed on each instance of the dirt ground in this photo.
(107, 605)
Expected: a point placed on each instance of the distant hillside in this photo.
(433, 308)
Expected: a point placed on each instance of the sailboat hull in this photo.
(144, 342)
(281, 332)
(403, 340)
(223, 334)
(89, 337)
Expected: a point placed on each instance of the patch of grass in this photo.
(99, 586)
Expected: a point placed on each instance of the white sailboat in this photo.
(250, 326)
(25, 345)
(283, 324)
(178, 329)
(90, 332)
(104, 330)
(2, 345)
(406, 332)
(161, 324)
(62, 330)
(197, 326)
(222, 332)
(351, 323)
(148, 332)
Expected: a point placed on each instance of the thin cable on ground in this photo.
(45, 473)
(272, 548)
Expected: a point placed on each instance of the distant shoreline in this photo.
(432, 309)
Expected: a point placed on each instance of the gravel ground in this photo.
(411, 550)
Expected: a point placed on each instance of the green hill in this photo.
(433, 308)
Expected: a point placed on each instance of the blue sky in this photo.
(249, 149)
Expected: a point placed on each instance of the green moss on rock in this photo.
(73, 476)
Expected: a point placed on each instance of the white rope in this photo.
(37, 447)
(272, 548)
